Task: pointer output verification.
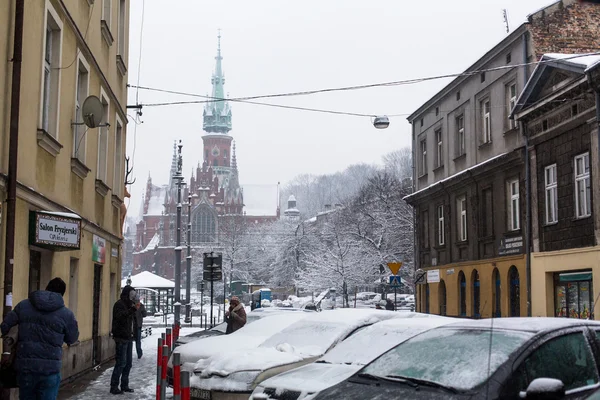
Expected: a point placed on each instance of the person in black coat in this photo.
(124, 312)
(389, 305)
(44, 324)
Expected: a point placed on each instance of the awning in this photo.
(575, 277)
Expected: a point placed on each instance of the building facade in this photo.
(219, 203)
(70, 180)
(469, 172)
(559, 109)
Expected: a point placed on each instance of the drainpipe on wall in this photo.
(11, 200)
(527, 189)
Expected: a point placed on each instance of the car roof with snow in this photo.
(526, 324)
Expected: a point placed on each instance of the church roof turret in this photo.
(217, 112)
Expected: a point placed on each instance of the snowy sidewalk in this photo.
(142, 377)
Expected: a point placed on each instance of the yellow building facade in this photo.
(70, 177)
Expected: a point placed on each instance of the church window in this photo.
(216, 163)
(204, 226)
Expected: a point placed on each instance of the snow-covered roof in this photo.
(260, 200)
(157, 200)
(147, 279)
(584, 60)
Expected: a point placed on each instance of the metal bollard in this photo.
(176, 329)
(176, 376)
(169, 338)
(185, 385)
(159, 369)
(163, 376)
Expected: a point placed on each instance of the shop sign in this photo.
(98, 250)
(450, 271)
(510, 246)
(433, 276)
(54, 231)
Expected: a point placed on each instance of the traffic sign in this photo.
(395, 280)
(207, 276)
(394, 267)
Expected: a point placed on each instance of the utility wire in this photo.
(84, 38)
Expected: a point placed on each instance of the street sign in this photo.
(395, 280)
(394, 267)
(207, 276)
(420, 277)
(212, 267)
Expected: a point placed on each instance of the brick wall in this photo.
(568, 232)
(566, 27)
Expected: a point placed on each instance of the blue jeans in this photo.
(138, 342)
(38, 387)
(122, 365)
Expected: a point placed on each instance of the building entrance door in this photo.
(96, 342)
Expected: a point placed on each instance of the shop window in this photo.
(476, 294)
(442, 297)
(573, 294)
(497, 293)
(515, 292)
(462, 290)
(427, 298)
(35, 270)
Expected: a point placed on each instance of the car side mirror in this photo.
(545, 389)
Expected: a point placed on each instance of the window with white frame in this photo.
(460, 135)
(486, 123)
(551, 194)
(51, 73)
(119, 175)
(423, 156)
(511, 102)
(440, 218)
(121, 28)
(103, 143)
(79, 130)
(106, 10)
(583, 196)
(439, 149)
(513, 205)
(461, 205)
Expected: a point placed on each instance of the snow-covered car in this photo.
(504, 358)
(346, 358)
(235, 374)
(250, 336)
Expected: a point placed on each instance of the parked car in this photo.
(235, 374)
(537, 358)
(346, 358)
(255, 332)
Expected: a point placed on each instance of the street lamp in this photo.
(381, 122)
(188, 267)
(179, 178)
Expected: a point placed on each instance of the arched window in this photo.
(515, 292)
(204, 225)
(427, 298)
(497, 292)
(462, 294)
(476, 294)
(442, 297)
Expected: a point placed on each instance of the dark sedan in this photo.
(508, 358)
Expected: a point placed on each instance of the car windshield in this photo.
(457, 358)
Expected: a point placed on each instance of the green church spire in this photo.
(217, 113)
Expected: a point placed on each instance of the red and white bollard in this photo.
(176, 376)
(159, 368)
(163, 376)
(185, 385)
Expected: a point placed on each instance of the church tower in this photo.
(217, 124)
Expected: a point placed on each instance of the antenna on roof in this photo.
(505, 13)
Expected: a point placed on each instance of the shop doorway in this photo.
(442, 296)
(573, 294)
(515, 292)
(96, 342)
(497, 293)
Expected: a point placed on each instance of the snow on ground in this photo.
(142, 377)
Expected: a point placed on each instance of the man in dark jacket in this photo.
(44, 325)
(122, 331)
(236, 316)
(389, 305)
(140, 314)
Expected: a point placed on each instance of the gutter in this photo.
(527, 189)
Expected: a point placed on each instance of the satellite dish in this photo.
(381, 122)
(92, 111)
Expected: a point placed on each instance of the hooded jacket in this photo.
(44, 325)
(123, 315)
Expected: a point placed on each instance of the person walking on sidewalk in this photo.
(236, 316)
(124, 312)
(44, 324)
(140, 314)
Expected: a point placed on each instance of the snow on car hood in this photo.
(312, 377)
(249, 336)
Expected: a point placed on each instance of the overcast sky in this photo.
(279, 46)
